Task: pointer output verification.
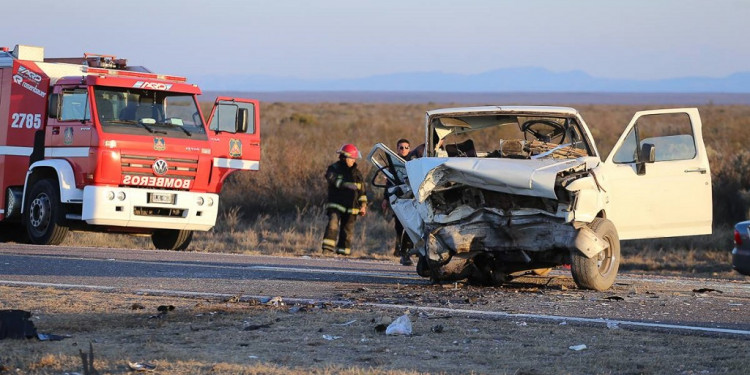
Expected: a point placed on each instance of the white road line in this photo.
(55, 285)
(619, 323)
(494, 314)
(341, 272)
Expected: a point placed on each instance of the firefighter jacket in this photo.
(340, 197)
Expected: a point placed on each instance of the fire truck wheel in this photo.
(171, 239)
(44, 214)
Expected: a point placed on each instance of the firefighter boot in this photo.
(329, 245)
(343, 251)
(406, 260)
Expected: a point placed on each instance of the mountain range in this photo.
(528, 79)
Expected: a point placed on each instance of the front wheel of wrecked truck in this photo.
(598, 272)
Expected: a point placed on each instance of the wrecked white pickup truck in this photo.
(505, 190)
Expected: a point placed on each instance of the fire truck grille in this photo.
(155, 211)
(141, 167)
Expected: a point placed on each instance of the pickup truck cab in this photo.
(502, 190)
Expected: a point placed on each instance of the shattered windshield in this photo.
(148, 112)
(506, 136)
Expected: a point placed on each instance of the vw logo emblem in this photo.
(160, 167)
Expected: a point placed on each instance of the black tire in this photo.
(44, 215)
(598, 272)
(423, 268)
(171, 239)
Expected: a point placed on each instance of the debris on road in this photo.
(578, 348)
(275, 301)
(400, 326)
(15, 324)
(163, 310)
(253, 327)
(347, 323)
(141, 366)
(706, 290)
(51, 337)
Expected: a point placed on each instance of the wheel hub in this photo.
(39, 212)
(604, 260)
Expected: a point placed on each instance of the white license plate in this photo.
(162, 198)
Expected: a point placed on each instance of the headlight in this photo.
(121, 195)
(110, 195)
(210, 201)
(199, 201)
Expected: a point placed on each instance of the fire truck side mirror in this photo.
(54, 106)
(241, 125)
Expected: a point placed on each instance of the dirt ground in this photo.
(235, 336)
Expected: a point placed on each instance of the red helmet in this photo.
(349, 151)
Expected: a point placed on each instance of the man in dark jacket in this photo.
(346, 200)
(403, 242)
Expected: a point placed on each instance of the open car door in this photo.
(234, 133)
(400, 197)
(389, 163)
(657, 177)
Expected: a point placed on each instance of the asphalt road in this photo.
(648, 301)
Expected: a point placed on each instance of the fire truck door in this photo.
(234, 133)
(69, 128)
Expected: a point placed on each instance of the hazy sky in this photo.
(635, 39)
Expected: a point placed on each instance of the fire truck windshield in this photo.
(148, 112)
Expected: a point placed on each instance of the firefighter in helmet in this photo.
(346, 200)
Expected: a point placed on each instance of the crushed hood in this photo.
(534, 177)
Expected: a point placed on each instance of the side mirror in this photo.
(241, 125)
(53, 106)
(648, 152)
(646, 155)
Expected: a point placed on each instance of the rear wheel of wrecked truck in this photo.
(599, 271)
(171, 239)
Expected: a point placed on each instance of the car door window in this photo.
(671, 134)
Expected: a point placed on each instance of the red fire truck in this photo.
(93, 144)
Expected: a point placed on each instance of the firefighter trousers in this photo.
(339, 231)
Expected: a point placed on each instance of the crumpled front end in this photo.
(504, 216)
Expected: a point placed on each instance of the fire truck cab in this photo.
(90, 143)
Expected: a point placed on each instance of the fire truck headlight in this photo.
(210, 201)
(121, 195)
(110, 195)
(199, 201)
